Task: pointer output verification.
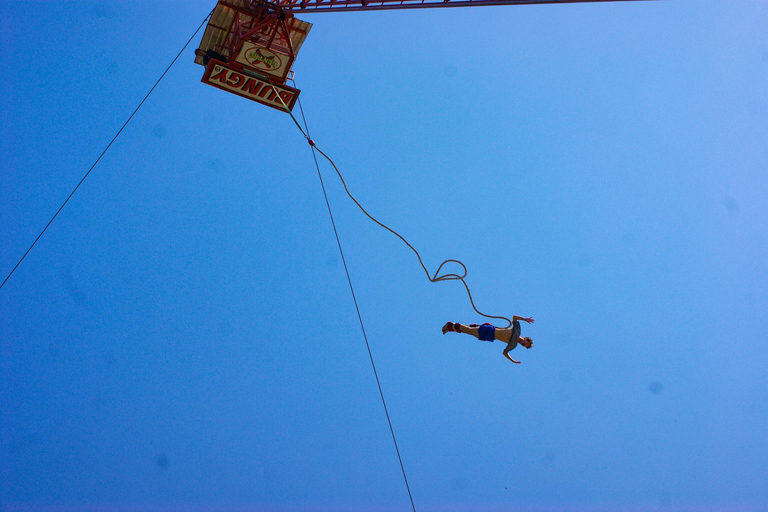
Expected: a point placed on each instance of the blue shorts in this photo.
(486, 332)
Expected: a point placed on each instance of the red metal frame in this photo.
(265, 26)
(262, 24)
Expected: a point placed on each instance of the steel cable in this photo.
(105, 149)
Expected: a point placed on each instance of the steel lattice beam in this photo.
(305, 6)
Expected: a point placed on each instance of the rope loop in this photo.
(450, 276)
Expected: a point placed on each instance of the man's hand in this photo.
(530, 319)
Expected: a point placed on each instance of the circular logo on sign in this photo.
(261, 58)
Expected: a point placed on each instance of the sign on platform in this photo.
(261, 59)
(260, 90)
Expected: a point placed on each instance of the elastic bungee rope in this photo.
(432, 278)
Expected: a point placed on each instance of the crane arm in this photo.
(305, 6)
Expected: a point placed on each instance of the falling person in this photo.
(488, 332)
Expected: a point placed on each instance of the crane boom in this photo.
(306, 6)
(249, 46)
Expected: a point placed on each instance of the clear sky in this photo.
(183, 337)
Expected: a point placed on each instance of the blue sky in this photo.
(183, 336)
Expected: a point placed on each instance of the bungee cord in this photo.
(436, 277)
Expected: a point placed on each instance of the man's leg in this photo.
(462, 328)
